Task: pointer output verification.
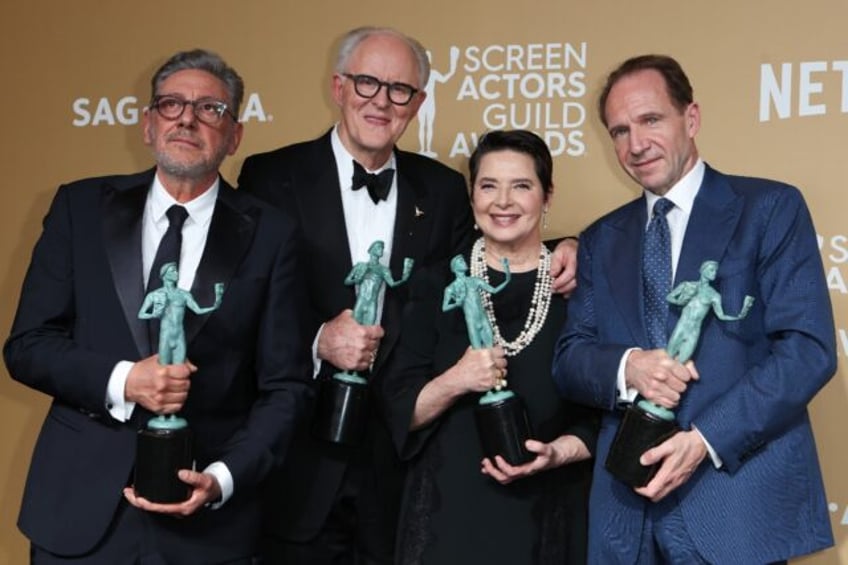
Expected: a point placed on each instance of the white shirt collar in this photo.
(199, 209)
(682, 194)
(344, 160)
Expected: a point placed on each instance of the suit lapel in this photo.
(323, 220)
(622, 261)
(410, 237)
(123, 211)
(412, 230)
(715, 215)
(230, 235)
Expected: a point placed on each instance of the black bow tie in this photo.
(378, 185)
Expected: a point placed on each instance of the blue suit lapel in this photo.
(715, 215)
(623, 265)
(714, 219)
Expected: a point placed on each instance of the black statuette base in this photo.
(341, 412)
(638, 432)
(503, 428)
(159, 455)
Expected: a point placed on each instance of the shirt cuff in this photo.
(625, 394)
(316, 362)
(717, 462)
(222, 474)
(116, 403)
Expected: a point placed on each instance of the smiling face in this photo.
(185, 148)
(654, 140)
(508, 200)
(369, 128)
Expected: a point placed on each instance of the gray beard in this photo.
(189, 171)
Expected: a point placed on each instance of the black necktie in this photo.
(656, 273)
(169, 246)
(167, 252)
(378, 185)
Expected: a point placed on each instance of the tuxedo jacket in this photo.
(433, 221)
(757, 375)
(78, 317)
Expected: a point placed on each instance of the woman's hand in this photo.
(563, 450)
(479, 370)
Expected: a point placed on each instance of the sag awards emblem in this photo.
(538, 86)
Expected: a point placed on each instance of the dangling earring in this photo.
(545, 219)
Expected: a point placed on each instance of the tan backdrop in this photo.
(771, 77)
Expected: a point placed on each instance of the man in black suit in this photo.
(77, 337)
(331, 504)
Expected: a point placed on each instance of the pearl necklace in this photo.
(539, 304)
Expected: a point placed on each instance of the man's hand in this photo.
(657, 377)
(347, 344)
(205, 489)
(564, 267)
(680, 455)
(162, 389)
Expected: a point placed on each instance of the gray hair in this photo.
(202, 60)
(353, 38)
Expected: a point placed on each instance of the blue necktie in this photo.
(656, 273)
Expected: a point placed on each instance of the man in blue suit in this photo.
(740, 482)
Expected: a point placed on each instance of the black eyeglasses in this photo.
(367, 86)
(210, 111)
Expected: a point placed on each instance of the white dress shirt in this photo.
(682, 195)
(195, 230)
(365, 222)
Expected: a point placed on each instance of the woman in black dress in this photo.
(459, 506)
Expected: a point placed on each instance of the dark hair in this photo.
(520, 141)
(202, 60)
(677, 83)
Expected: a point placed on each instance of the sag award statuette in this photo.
(500, 415)
(645, 424)
(341, 412)
(164, 446)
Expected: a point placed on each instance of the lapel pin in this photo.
(418, 212)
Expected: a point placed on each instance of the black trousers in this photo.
(360, 529)
(129, 541)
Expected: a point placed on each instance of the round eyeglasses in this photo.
(210, 111)
(366, 86)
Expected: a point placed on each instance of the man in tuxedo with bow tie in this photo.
(347, 189)
(77, 337)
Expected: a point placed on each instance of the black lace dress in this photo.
(451, 512)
